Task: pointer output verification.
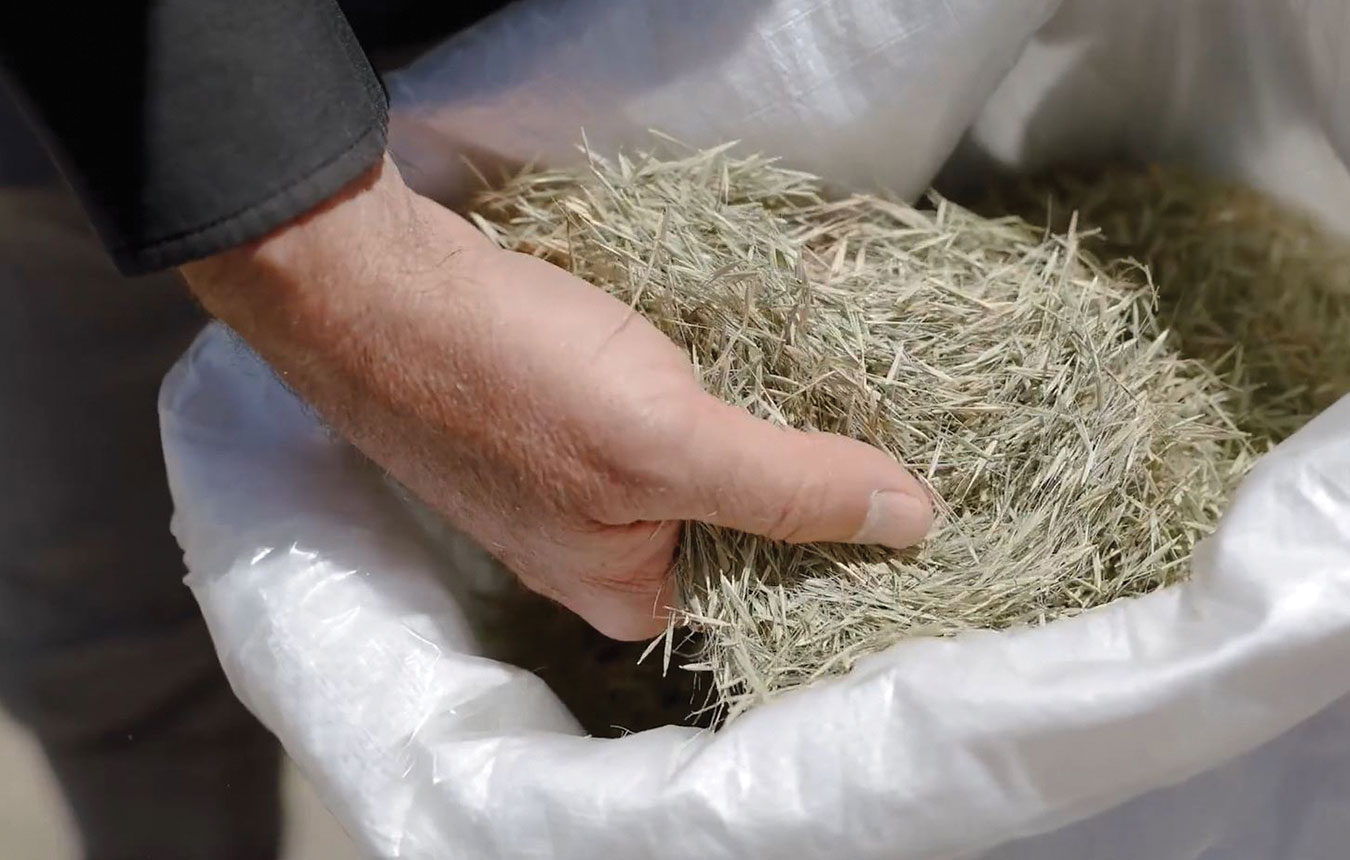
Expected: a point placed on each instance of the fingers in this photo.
(747, 474)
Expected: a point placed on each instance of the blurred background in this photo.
(34, 824)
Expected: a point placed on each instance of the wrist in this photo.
(279, 272)
(335, 300)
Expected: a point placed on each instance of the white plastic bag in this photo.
(1154, 729)
(863, 92)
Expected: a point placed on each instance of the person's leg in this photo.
(103, 653)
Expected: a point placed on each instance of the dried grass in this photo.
(1256, 290)
(1076, 456)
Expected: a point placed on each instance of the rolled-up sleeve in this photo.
(191, 126)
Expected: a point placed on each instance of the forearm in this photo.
(349, 302)
(312, 295)
(339, 275)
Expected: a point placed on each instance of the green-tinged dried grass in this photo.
(1255, 290)
(1075, 454)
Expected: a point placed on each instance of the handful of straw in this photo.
(1076, 457)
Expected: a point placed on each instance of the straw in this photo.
(1076, 457)
(1252, 287)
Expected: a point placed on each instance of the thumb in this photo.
(745, 473)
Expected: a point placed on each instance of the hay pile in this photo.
(1076, 456)
(1258, 292)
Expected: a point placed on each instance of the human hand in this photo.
(541, 416)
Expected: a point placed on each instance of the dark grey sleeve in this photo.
(190, 126)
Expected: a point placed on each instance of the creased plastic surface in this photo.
(864, 92)
(1253, 89)
(1198, 722)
